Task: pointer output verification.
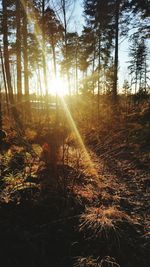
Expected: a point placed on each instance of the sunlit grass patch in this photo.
(104, 223)
(91, 262)
(86, 262)
(107, 198)
(87, 194)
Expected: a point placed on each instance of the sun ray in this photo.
(38, 32)
(31, 17)
(89, 163)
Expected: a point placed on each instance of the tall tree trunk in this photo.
(99, 69)
(55, 74)
(13, 109)
(145, 75)
(115, 82)
(25, 58)
(54, 58)
(1, 120)
(63, 2)
(136, 80)
(76, 68)
(25, 51)
(4, 79)
(43, 49)
(93, 68)
(18, 48)
(6, 52)
(93, 81)
(39, 80)
(14, 80)
(0, 113)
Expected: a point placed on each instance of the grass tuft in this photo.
(91, 262)
(104, 223)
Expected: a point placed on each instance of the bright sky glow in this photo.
(58, 87)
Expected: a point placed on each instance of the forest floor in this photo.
(98, 218)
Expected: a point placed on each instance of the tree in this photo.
(0, 115)
(69, 64)
(14, 111)
(4, 78)
(86, 49)
(25, 51)
(138, 64)
(34, 53)
(6, 51)
(18, 49)
(99, 18)
(117, 9)
(53, 32)
(44, 48)
(104, 16)
(64, 15)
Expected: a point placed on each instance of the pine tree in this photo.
(6, 51)
(138, 65)
(25, 49)
(18, 50)
(53, 32)
(44, 48)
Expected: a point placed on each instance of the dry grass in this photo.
(85, 193)
(86, 262)
(104, 222)
(91, 262)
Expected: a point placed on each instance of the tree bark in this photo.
(54, 58)
(0, 112)
(4, 79)
(76, 68)
(13, 109)
(6, 52)
(18, 50)
(25, 58)
(43, 49)
(25, 52)
(115, 83)
(99, 68)
(65, 41)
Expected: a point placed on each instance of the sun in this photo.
(58, 87)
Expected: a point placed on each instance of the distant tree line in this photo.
(33, 33)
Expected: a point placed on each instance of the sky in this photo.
(78, 15)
